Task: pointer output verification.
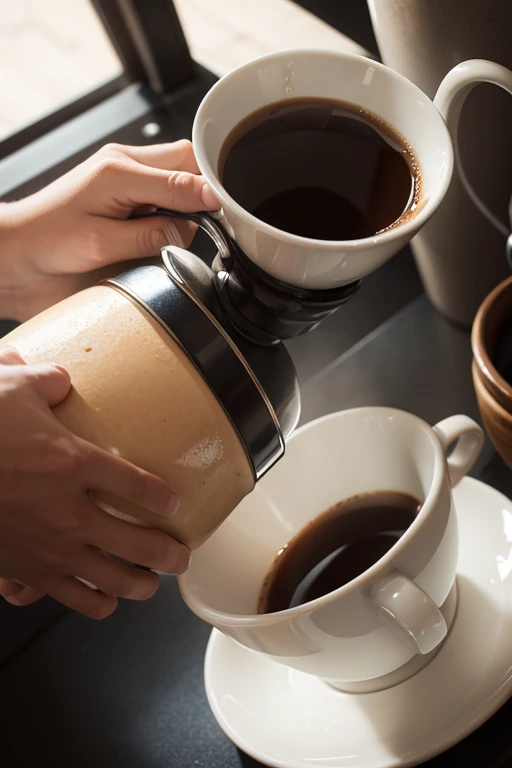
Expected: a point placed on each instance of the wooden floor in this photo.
(52, 51)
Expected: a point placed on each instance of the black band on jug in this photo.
(262, 308)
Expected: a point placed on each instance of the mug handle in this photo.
(449, 99)
(409, 611)
(469, 439)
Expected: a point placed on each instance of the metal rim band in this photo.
(156, 292)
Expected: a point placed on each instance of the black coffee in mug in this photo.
(336, 547)
(321, 168)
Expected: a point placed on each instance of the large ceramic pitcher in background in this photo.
(461, 252)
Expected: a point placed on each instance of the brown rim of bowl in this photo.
(496, 419)
(483, 329)
(488, 399)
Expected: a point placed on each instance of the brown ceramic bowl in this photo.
(494, 393)
(497, 421)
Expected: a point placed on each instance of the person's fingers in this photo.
(9, 589)
(141, 238)
(131, 184)
(51, 381)
(28, 595)
(116, 579)
(78, 596)
(136, 544)
(18, 594)
(178, 155)
(102, 471)
(10, 356)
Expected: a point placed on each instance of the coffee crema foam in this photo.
(418, 203)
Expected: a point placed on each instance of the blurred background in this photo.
(54, 52)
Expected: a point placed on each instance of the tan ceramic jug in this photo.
(179, 369)
(161, 377)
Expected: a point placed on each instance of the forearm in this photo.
(29, 236)
(11, 267)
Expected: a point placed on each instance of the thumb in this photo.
(51, 381)
(124, 239)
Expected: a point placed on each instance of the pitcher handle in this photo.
(449, 99)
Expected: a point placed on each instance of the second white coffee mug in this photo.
(380, 621)
(321, 264)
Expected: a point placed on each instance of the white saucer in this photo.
(287, 719)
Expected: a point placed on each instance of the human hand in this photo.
(62, 238)
(51, 533)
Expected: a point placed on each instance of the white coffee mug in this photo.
(320, 264)
(370, 630)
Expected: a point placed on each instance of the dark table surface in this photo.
(128, 692)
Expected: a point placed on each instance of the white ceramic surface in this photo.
(362, 631)
(287, 719)
(320, 264)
